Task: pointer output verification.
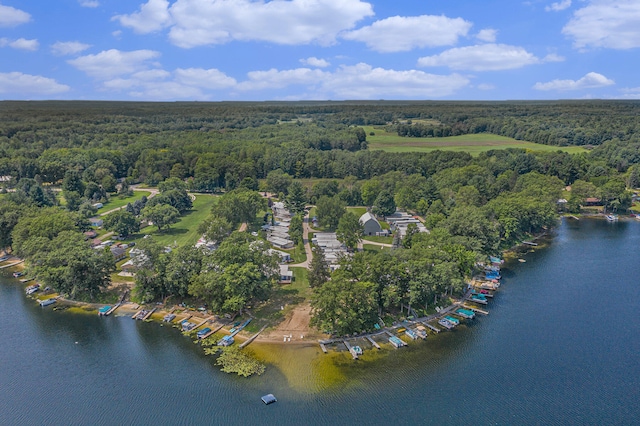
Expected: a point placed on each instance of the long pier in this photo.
(11, 264)
(136, 314)
(252, 338)
(323, 347)
(183, 319)
(431, 327)
(146, 317)
(351, 351)
(373, 342)
(112, 310)
(202, 323)
(476, 310)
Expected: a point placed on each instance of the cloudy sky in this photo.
(319, 49)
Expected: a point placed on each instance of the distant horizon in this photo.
(260, 50)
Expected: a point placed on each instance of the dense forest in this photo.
(59, 159)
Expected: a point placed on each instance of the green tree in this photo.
(70, 266)
(278, 181)
(73, 182)
(122, 223)
(162, 215)
(296, 229)
(349, 230)
(215, 229)
(319, 272)
(239, 205)
(384, 204)
(296, 198)
(329, 211)
(343, 307)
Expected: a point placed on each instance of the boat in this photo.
(401, 330)
(226, 341)
(452, 320)
(496, 260)
(3, 258)
(143, 313)
(357, 350)
(396, 342)
(18, 274)
(479, 298)
(47, 302)
(203, 332)
(187, 326)
(612, 217)
(446, 324)
(269, 399)
(32, 289)
(103, 311)
(169, 317)
(466, 313)
(421, 332)
(412, 334)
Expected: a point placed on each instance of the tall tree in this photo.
(319, 272)
(384, 204)
(162, 215)
(215, 229)
(122, 223)
(296, 229)
(349, 230)
(296, 198)
(329, 211)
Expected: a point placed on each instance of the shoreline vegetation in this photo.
(112, 198)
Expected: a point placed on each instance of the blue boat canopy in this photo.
(269, 399)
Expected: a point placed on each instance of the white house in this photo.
(286, 276)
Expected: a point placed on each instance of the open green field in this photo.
(473, 144)
(117, 202)
(186, 231)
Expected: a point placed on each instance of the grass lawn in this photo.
(358, 211)
(285, 297)
(116, 202)
(376, 239)
(373, 248)
(298, 255)
(186, 230)
(473, 144)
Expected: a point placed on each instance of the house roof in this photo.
(366, 217)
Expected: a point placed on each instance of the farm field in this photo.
(473, 144)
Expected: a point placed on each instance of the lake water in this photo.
(561, 346)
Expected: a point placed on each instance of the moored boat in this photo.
(226, 341)
(396, 342)
(32, 289)
(446, 324)
(412, 334)
(612, 217)
(466, 313)
(454, 321)
(103, 311)
(203, 332)
(421, 332)
(169, 317)
(47, 302)
(356, 350)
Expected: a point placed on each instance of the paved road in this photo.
(307, 244)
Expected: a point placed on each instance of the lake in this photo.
(560, 346)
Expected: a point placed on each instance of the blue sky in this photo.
(214, 50)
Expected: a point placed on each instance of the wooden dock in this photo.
(183, 319)
(373, 342)
(529, 243)
(202, 323)
(252, 338)
(431, 327)
(146, 317)
(112, 310)
(11, 264)
(351, 350)
(136, 314)
(26, 280)
(476, 310)
(323, 347)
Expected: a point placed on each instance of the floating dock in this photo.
(351, 350)
(252, 338)
(373, 342)
(323, 347)
(431, 327)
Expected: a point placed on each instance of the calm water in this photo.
(561, 346)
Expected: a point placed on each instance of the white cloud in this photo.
(153, 16)
(553, 57)
(21, 44)
(19, 83)
(591, 80)
(558, 6)
(611, 24)
(630, 93)
(360, 81)
(486, 86)
(489, 35)
(111, 63)
(62, 48)
(204, 22)
(403, 33)
(315, 62)
(24, 44)
(89, 3)
(10, 16)
(483, 57)
(204, 78)
(274, 79)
